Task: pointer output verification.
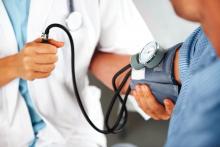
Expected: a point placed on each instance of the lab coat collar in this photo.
(38, 15)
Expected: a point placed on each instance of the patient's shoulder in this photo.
(197, 51)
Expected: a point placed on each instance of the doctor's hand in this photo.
(37, 60)
(150, 105)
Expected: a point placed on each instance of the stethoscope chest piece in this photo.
(74, 21)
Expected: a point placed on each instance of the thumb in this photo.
(169, 106)
(55, 43)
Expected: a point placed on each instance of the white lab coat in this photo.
(113, 24)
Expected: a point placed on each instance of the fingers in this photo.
(45, 49)
(169, 106)
(43, 68)
(37, 60)
(48, 48)
(150, 105)
(146, 100)
(38, 75)
(45, 59)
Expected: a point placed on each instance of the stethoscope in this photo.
(71, 6)
(74, 20)
(121, 120)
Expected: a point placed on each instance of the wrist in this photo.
(12, 64)
(8, 69)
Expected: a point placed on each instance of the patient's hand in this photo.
(150, 105)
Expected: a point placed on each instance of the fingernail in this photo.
(166, 102)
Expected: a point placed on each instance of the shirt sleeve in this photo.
(123, 31)
(200, 122)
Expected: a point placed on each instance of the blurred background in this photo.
(167, 29)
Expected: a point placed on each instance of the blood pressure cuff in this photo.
(160, 79)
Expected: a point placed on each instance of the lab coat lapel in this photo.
(38, 14)
(8, 47)
(10, 43)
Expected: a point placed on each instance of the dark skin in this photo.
(193, 10)
(206, 12)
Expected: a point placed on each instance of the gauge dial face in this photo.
(148, 52)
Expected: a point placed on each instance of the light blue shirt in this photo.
(195, 120)
(18, 11)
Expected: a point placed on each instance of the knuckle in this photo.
(26, 51)
(25, 60)
(147, 89)
(27, 67)
(149, 94)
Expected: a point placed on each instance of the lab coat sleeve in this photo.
(123, 31)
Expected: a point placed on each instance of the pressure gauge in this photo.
(150, 56)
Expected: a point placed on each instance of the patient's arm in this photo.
(176, 67)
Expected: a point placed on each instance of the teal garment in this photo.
(18, 11)
(195, 119)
